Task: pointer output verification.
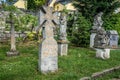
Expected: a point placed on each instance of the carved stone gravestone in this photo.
(114, 37)
(48, 52)
(63, 42)
(101, 41)
(96, 25)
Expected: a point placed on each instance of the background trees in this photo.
(34, 4)
(79, 27)
(78, 32)
(90, 8)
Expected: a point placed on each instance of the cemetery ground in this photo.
(79, 62)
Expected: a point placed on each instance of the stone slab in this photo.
(48, 56)
(103, 53)
(12, 53)
(92, 36)
(62, 49)
(85, 78)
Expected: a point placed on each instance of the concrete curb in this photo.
(101, 73)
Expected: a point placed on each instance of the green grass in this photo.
(80, 62)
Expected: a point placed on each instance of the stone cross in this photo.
(48, 54)
(12, 51)
(49, 20)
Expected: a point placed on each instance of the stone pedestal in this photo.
(103, 53)
(92, 36)
(62, 48)
(12, 53)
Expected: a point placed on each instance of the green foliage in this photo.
(79, 31)
(65, 11)
(23, 22)
(39, 2)
(34, 4)
(90, 8)
(27, 22)
(9, 0)
(112, 22)
(32, 35)
(9, 8)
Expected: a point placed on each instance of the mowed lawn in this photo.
(80, 62)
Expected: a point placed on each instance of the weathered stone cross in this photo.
(12, 51)
(49, 20)
(48, 54)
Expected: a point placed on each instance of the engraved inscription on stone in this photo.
(64, 48)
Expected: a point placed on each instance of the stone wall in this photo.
(6, 35)
(3, 15)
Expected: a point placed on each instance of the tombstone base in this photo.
(48, 56)
(62, 48)
(12, 53)
(103, 53)
(48, 65)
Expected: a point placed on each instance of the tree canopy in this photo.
(34, 4)
(90, 8)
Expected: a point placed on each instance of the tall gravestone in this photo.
(96, 25)
(99, 38)
(48, 52)
(63, 42)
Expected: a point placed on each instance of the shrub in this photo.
(112, 23)
(78, 33)
(32, 35)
